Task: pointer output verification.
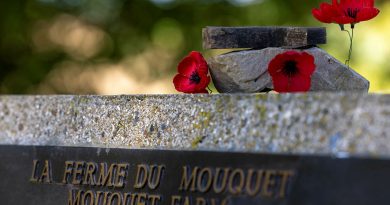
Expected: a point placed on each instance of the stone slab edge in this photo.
(262, 37)
(321, 123)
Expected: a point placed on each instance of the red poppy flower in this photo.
(346, 12)
(193, 74)
(291, 71)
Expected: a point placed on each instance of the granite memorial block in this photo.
(223, 149)
(73, 176)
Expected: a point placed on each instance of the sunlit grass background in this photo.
(133, 46)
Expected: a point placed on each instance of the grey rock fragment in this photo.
(247, 72)
(262, 37)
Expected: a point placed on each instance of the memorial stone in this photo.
(246, 71)
(195, 149)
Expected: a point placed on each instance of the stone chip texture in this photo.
(247, 71)
(334, 124)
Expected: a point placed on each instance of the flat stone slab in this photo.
(262, 37)
(34, 175)
(322, 123)
(247, 71)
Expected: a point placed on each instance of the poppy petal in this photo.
(346, 2)
(276, 65)
(299, 84)
(280, 83)
(285, 84)
(344, 20)
(299, 81)
(346, 11)
(291, 54)
(201, 63)
(187, 66)
(368, 3)
(193, 74)
(306, 64)
(204, 82)
(184, 84)
(320, 16)
(203, 91)
(367, 14)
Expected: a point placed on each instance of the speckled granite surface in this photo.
(337, 124)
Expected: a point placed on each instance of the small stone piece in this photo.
(247, 72)
(262, 37)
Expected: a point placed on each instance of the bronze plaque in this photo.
(98, 176)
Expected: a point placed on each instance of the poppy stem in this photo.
(211, 92)
(350, 34)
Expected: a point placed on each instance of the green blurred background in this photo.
(133, 46)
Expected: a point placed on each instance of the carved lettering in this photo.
(46, 173)
(105, 198)
(200, 201)
(115, 197)
(77, 173)
(141, 177)
(253, 189)
(97, 201)
(89, 177)
(34, 177)
(175, 199)
(105, 176)
(154, 199)
(68, 171)
(236, 181)
(269, 183)
(155, 176)
(86, 173)
(120, 175)
(88, 198)
(188, 179)
(133, 197)
(286, 175)
(186, 200)
(194, 184)
(74, 198)
(149, 175)
(141, 200)
(220, 181)
(205, 180)
(126, 197)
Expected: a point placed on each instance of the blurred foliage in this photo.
(133, 46)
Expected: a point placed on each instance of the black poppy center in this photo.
(290, 68)
(352, 12)
(195, 78)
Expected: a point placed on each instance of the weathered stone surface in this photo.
(247, 71)
(262, 37)
(338, 124)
